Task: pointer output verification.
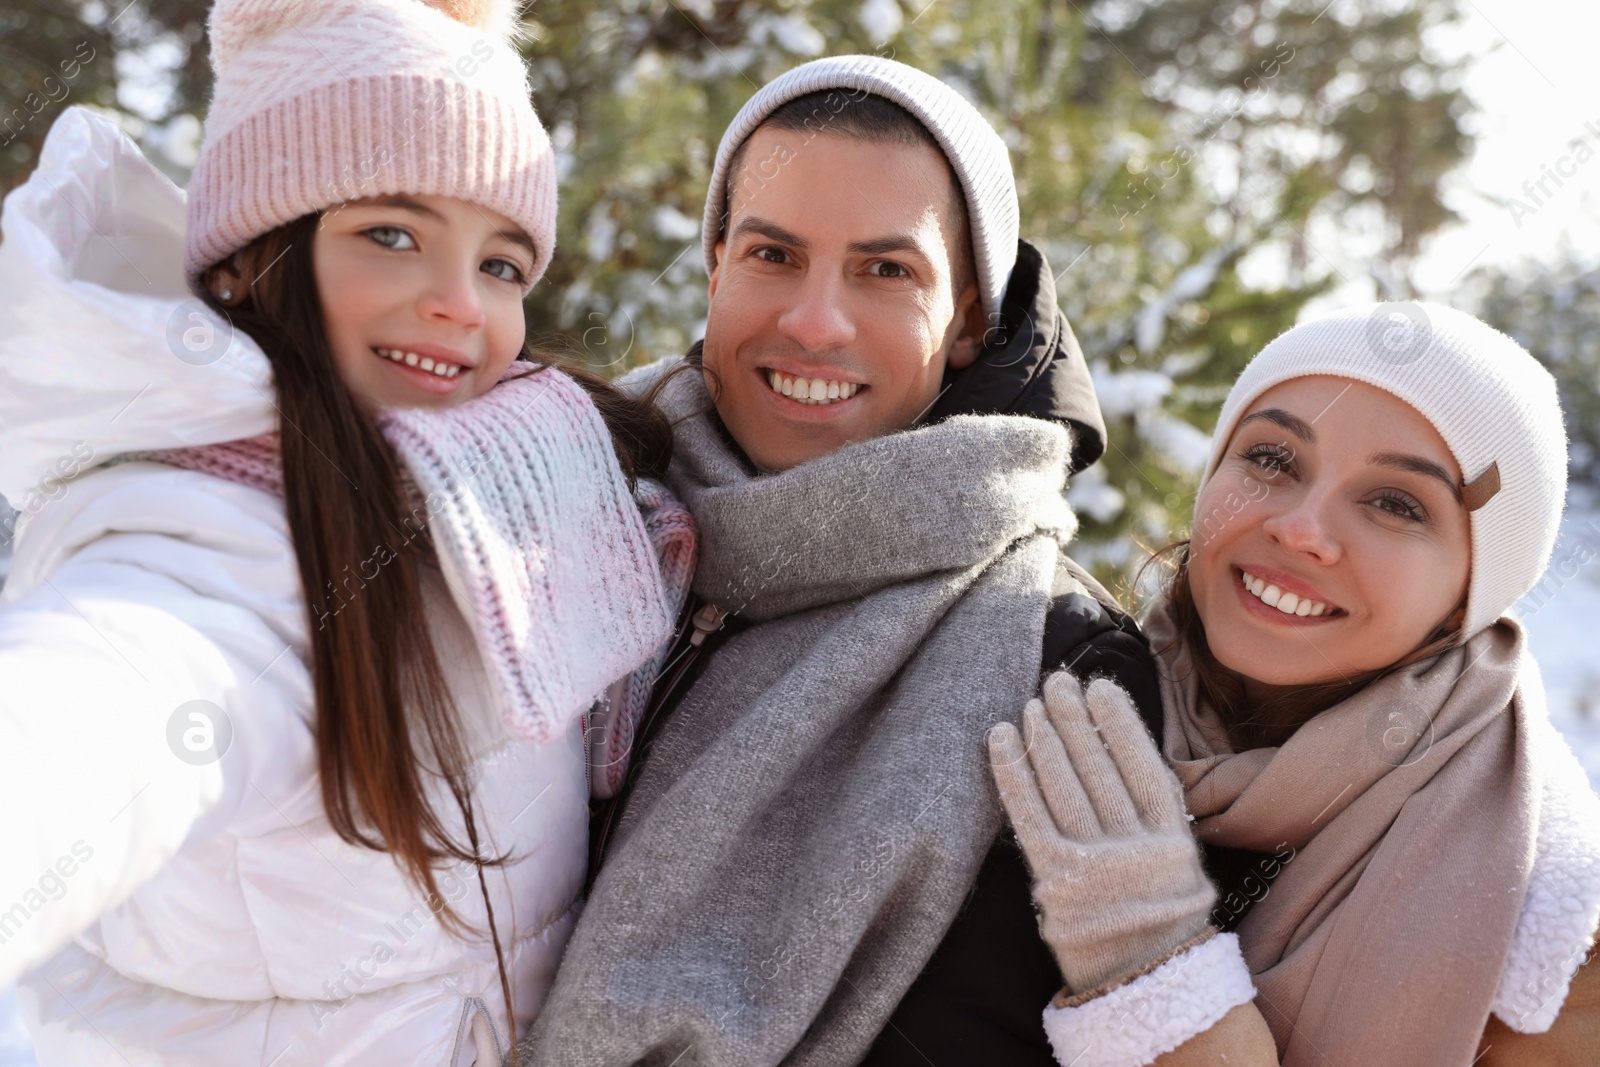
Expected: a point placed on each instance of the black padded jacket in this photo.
(981, 997)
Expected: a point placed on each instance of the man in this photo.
(806, 864)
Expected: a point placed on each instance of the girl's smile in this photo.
(426, 366)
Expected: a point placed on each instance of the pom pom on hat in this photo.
(498, 18)
(235, 25)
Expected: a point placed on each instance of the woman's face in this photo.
(421, 297)
(1338, 501)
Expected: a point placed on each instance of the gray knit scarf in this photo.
(811, 817)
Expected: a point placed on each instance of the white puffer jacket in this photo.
(175, 907)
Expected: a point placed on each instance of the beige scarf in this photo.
(1408, 814)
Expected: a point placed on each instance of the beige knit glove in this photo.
(1116, 872)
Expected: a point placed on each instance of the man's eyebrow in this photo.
(1401, 461)
(879, 246)
(1293, 423)
(770, 230)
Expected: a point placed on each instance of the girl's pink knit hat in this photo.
(322, 101)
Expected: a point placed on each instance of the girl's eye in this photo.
(1400, 505)
(1274, 459)
(391, 237)
(503, 269)
(888, 268)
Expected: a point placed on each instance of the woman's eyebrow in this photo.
(1293, 423)
(1402, 461)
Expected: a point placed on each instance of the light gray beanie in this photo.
(1495, 406)
(976, 153)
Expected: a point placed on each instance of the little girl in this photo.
(311, 587)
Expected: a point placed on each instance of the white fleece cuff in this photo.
(1154, 1014)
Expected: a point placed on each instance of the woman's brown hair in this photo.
(383, 711)
(1271, 722)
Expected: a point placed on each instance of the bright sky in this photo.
(1536, 80)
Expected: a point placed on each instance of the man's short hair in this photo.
(869, 117)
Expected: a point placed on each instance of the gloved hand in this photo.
(1100, 817)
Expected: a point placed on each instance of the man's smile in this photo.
(824, 391)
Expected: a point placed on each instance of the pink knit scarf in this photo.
(566, 585)
(252, 461)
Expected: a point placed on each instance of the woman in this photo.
(301, 628)
(1408, 851)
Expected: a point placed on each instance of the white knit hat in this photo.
(322, 101)
(976, 154)
(1490, 400)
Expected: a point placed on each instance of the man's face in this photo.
(834, 277)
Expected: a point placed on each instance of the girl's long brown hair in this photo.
(1274, 721)
(383, 712)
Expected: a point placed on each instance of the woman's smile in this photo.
(1279, 598)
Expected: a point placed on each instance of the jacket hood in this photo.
(1031, 365)
(103, 349)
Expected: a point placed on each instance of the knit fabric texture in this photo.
(615, 720)
(1418, 813)
(544, 550)
(253, 461)
(1490, 400)
(813, 814)
(1116, 874)
(322, 101)
(976, 153)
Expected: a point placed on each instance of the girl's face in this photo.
(421, 297)
(1336, 501)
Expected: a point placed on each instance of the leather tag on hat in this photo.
(1476, 493)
